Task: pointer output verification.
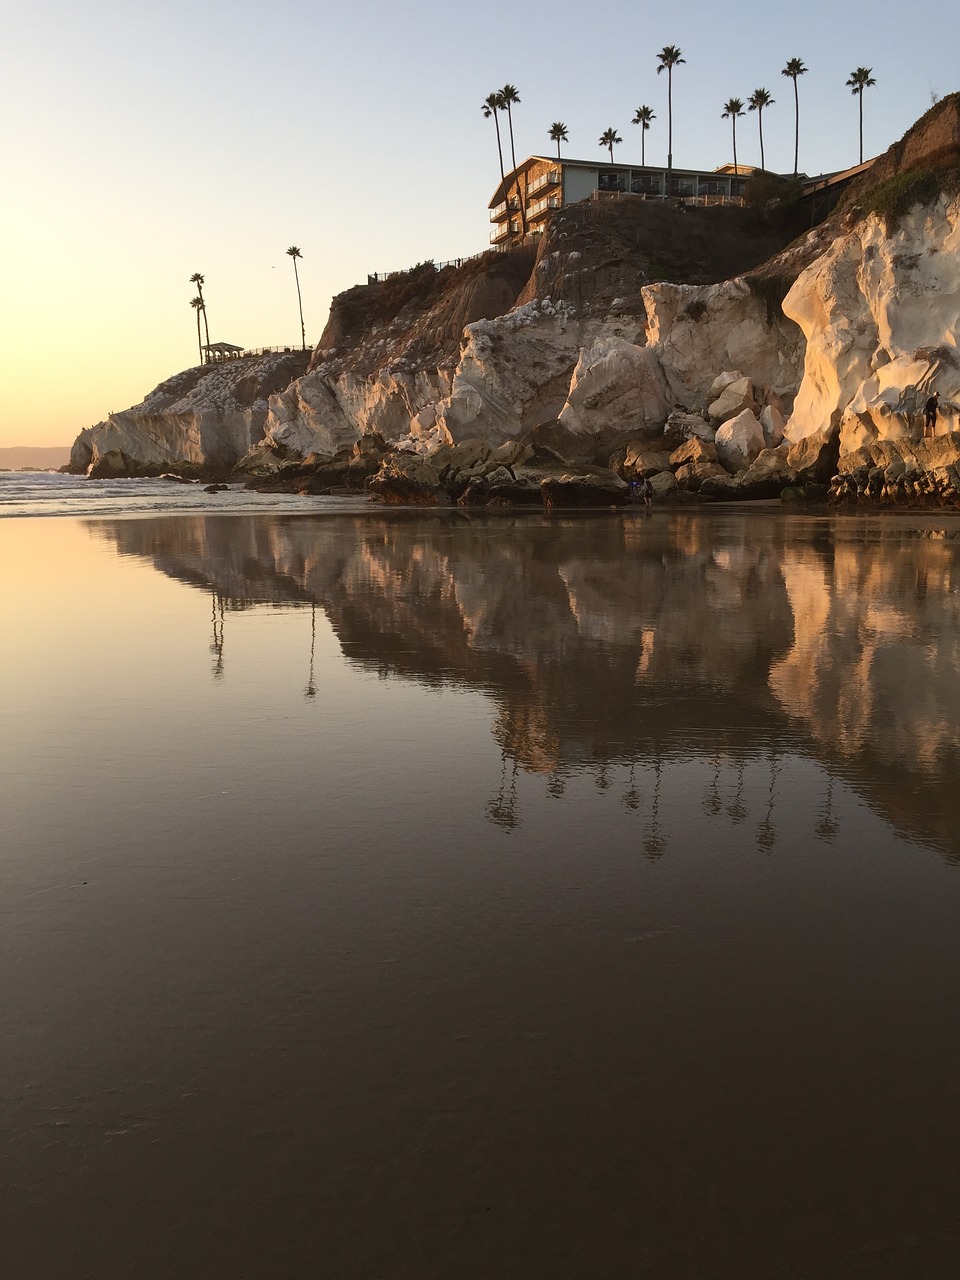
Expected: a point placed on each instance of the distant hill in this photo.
(17, 457)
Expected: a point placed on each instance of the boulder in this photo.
(615, 384)
(722, 381)
(682, 425)
(733, 400)
(643, 461)
(768, 474)
(416, 483)
(723, 487)
(664, 485)
(739, 441)
(692, 474)
(773, 422)
(512, 453)
(695, 450)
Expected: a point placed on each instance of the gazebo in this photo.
(222, 351)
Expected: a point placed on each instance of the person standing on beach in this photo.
(930, 414)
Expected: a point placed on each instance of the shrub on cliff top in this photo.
(895, 197)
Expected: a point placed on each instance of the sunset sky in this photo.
(144, 142)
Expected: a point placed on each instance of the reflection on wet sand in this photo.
(616, 645)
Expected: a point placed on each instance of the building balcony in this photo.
(542, 207)
(503, 210)
(551, 179)
(501, 233)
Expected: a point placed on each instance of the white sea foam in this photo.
(47, 493)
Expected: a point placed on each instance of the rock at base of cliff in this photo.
(739, 441)
(591, 490)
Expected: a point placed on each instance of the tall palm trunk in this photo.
(860, 97)
(199, 338)
(513, 155)
(760, 125)
(499, 143)
(796, 128)
(203, 308)
(733, 121)
(669, 130)
(303, 332)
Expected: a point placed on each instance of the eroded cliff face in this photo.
(625, 313)
(204, 419)
(509, 343)
(880, 312)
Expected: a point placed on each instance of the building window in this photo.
(611, 180)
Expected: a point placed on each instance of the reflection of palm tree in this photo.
(502, 810)
(827, 825)
(556, 786)
(602, 780)
(311, 689)
(216, 644)
(736, 808)
(712, 803)
(766, 832)
(653, 842)
(631, 797)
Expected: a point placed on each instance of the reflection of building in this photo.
(615, 644)
(527, 196)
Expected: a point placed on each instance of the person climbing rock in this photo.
(930, 414)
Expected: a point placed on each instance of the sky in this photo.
(145, 142)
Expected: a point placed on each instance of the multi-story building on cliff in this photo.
(527, 196)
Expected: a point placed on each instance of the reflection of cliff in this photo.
(606, 639)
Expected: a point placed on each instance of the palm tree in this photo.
(510, 98)
(859, 80)
(793, 70)
(492, 105)
(610, 138)
(197, 304)
(669, 57)
(759, 99)
(197, 279)
(732, 110)
(642, 117)
(294, 253)
(558, 134)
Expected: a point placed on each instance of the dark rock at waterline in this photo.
(590, 490)
(112, 465)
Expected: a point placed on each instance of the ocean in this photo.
(412, 894)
